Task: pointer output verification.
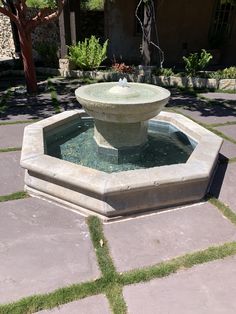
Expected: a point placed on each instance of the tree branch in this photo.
(8, 13)
(44, 16)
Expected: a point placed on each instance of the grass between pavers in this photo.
(113, 289)
(231, 160)
(9, 149)
(111, 283)
(19, 122)
(224, 209)
(3, 100)
(207, 126)
(14, 196)
(215, 125)
(53, 94)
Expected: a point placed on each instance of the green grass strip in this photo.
(54, 98)
(187, 261)
(231, 160)
(114, 294)
(55, 101)
(47, 301)
(18, 122)
(9, 149)
(13, 196)
(101, 248)
(225, 210)
(207, 126)
(214, 125)
(110, 276)
(113, 289)
(219, 133)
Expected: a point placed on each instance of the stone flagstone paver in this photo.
(27, 113)
(97, 304)
(228, 149)
(224, 185)
(11, 135)
(229, 130)
(11, 174)
(221, 96)
(42, 247)
(154, 238)
(205, 115)
(204, 289)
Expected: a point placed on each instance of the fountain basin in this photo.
(143, 103)
(116, 194)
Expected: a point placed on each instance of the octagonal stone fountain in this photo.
(136, 158)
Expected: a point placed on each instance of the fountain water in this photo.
(126, 176)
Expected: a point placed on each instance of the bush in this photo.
(89, 54)
(196, 62)
(164, 72)
(92, 5)
(122, 68)
(227, 73)
(48, 53)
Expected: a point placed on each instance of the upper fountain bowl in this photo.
(122, 103)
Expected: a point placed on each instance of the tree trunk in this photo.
(147, 36)
(28, 62)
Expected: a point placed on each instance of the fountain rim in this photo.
(74, 186)
(83, 97)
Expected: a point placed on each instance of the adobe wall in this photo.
(183, 27)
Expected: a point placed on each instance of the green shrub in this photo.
(40, 4)
(196, 62)
(89, 54)
(96, 5)
(227, 73)
(164, 72)
(48, 53)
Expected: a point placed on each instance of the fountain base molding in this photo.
(112, 195)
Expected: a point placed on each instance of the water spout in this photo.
(123, 83)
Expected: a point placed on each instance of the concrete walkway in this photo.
(44, 247)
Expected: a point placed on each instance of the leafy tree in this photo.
(17, 11)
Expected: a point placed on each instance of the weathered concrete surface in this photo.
(20, 113)
(228, 149)
(224, 185)
(210, 115)
(229, 130)
(42, 247)
(204, 289)
(145, 241)
(11, 174)
(11, 135)
(97, 304)
(219, 96)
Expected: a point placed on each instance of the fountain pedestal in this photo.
(120, 135)
(120, 140)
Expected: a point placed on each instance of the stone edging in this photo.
(140, 76)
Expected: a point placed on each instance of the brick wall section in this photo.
(7, 47)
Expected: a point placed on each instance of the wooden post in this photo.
(69, 25)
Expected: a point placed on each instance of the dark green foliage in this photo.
(89, 54)
(196, 62)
